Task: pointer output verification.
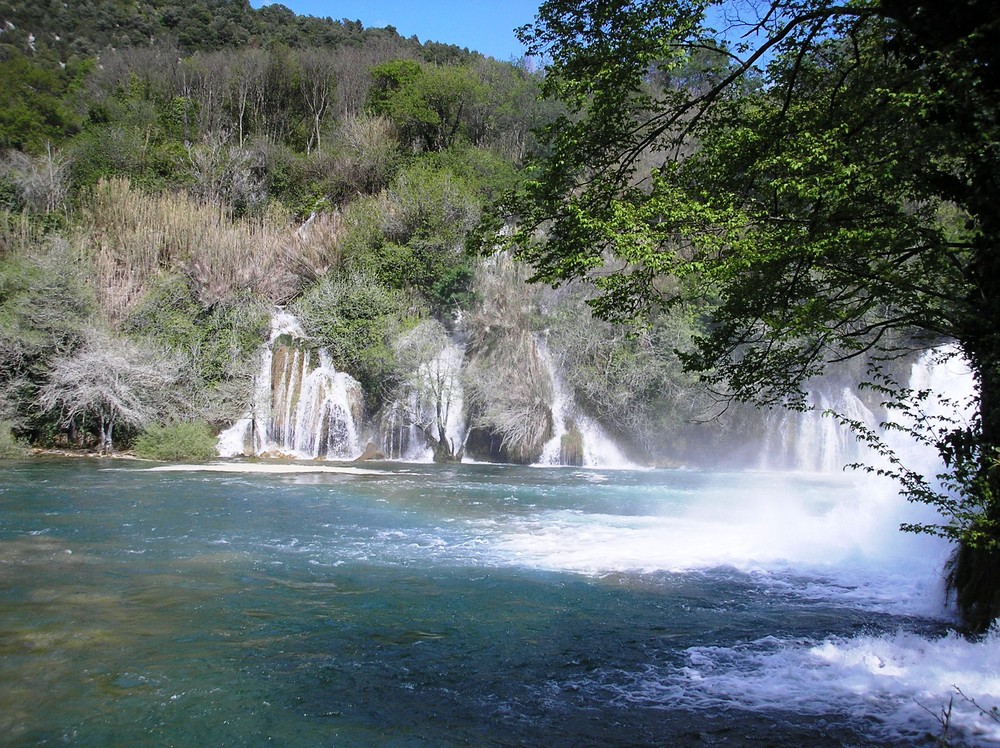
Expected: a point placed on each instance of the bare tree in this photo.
(249, 73)
(209, 79)
(116, 380)
(317, 82)
(41, 181)
(433, 366)
(352, 64)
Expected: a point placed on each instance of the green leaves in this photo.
(429, 104)
(812, 211)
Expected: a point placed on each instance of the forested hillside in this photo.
(171, 172)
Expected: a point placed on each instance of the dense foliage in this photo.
(171, 171)
(825, 189)
(175, 442)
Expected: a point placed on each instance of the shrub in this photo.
(630, 379)
(44, 312)
(367, 154)
(412, 236)
(11, 448)
(174, 442)
(354, 317)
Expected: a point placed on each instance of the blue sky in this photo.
(485, 26)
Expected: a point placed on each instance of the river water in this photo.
(474, 605)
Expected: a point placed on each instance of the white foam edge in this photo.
(251, 467)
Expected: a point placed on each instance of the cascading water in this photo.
(813, 440)
(569, 424)
(302, 406)
(401, 438)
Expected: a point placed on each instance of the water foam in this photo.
(840, 534)
(903, 683)
(599, 449)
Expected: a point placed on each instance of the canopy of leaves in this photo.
(430, 105)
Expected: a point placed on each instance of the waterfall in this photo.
(813, 440)
(302, 406)
(401, 438)
(945, 373)
(576, 438)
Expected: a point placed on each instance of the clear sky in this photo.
(485, 26)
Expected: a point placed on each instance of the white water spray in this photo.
(433, 391)
(825, 539)
(814, 440)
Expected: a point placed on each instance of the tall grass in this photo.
(19, 235)
(131, 237)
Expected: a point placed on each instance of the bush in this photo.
(175, 442)
(412, 236)
(355, 317)
(11, 448)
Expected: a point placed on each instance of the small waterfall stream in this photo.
(434, 391)
(576, 438)
(401, 438)
(302, 406)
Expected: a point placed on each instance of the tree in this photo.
(317, 82)
(430, 365)
(115, 380)
(430, 105)
(248, 89)
(45, 303)
(828, 184)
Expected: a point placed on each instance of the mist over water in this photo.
(474, 604)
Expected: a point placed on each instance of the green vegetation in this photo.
(355, 317)
(170, 172)
(176, 442)
(807, 210)
(11, 448)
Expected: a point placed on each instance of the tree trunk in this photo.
(974, 570)
(443, 451)
(107, 425)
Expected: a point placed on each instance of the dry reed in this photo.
(131, 237)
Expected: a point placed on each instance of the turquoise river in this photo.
(474, 605)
